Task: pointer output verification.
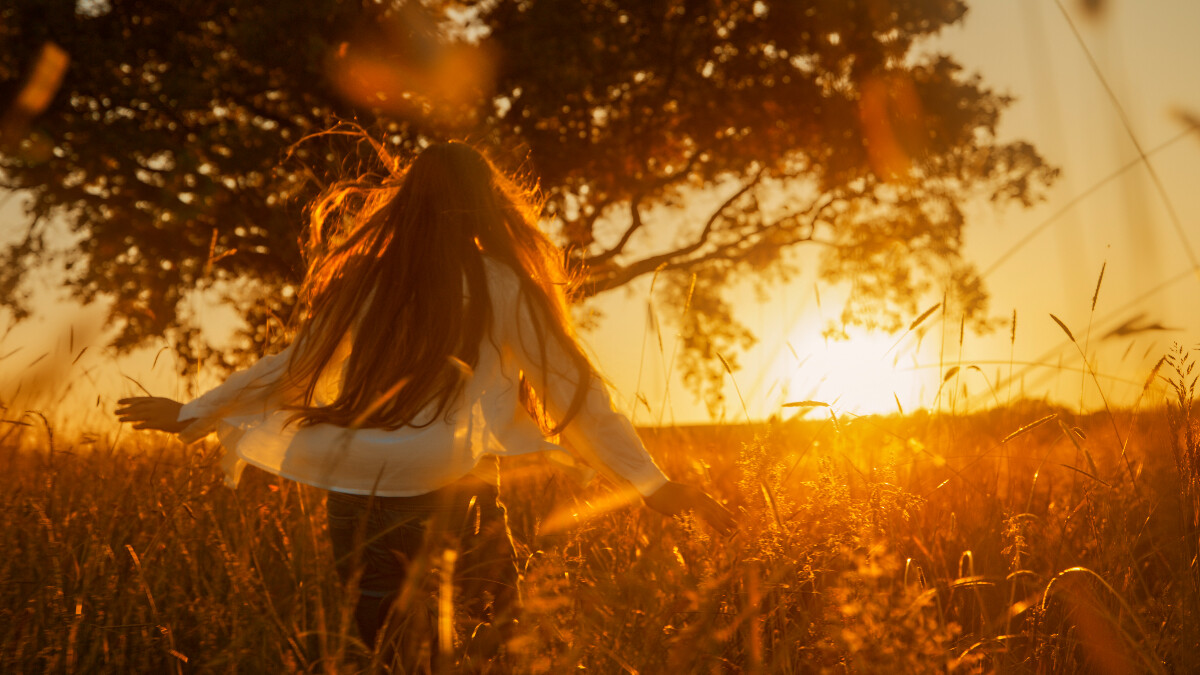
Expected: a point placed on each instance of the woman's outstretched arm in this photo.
(243, 391)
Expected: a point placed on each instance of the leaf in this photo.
(792, 350)
(1075, 435)
(1063, 326)
(1153, 374)
(806, 404)
(139, 385)
(160, 352)
(1029, 427)
(924, 315)
(725, 363)
(770, 497)
(1096, 295)
(939, 487)
(641, 398)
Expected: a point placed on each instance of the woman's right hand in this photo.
(152, 412)
(674, 498)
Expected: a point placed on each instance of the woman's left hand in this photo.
(674, 498)
(152, 412)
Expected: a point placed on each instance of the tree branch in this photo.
(635, 224)
(598, 210)
(683, 257)
(737, 249)
(645, 265)
(604, 257)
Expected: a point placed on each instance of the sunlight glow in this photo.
(863, 374)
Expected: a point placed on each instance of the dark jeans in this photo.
(396, 548)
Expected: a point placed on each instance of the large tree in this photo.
(700, 140)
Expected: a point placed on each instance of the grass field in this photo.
(1023, 539)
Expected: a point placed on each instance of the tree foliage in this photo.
(703, 140)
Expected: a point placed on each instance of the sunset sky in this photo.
(1106, 208)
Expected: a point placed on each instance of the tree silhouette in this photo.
(703, 141)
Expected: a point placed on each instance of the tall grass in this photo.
(140, 560)
(1007, 541)
(1184, 424)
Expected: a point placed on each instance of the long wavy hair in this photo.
(397, 267)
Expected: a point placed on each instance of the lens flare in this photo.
(892, 122)
(406, 67)
(45, 79)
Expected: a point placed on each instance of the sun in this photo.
(865, 374)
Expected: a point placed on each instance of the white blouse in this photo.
(487, 420)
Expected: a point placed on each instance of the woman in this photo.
(426, 300)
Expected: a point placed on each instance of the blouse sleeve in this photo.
(244, 392)
(598, 433)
